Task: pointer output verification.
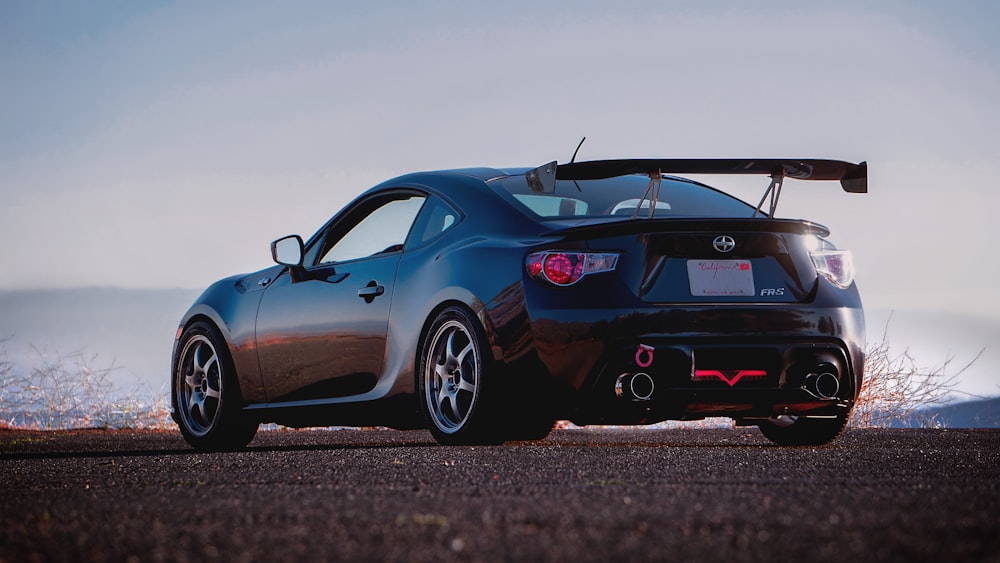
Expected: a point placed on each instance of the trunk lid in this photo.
(707, 260)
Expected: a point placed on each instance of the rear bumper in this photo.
(737, 377)
(693, 362)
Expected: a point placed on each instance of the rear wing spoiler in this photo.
(853, 177)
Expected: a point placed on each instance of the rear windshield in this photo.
(622, 196)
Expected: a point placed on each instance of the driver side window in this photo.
(380, 230)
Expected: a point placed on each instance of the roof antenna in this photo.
(572, 160)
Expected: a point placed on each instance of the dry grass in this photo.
(897, 389)
(71, 392)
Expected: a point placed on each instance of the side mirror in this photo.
(287, 251)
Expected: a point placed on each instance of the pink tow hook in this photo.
(646, 351)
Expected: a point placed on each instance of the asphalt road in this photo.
(580, 495)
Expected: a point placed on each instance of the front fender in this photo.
(231, 305)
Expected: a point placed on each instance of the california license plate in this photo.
(720, 278)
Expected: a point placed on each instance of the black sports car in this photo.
(486, 304)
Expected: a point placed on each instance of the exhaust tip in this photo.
(824, 385)
(635, 386)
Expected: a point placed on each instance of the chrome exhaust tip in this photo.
(823, 385)
(634, 386)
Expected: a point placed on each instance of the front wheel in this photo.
(453, 381)
(206, 393)
(802, 431)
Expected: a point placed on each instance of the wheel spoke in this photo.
(453, 404)
(464, 385)
(213, 360)
(196, 359)
(465, 352)
(442, 396)
(450, 346)
(196, 406)
(441, 371)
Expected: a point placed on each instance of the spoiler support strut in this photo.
(773, 190)
(653, 191)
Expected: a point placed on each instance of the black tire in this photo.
(531, 427)
(207, 402)
(455, 381)
(802, 431)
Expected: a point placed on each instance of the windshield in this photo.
(621, 196)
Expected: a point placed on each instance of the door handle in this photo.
(371, 291)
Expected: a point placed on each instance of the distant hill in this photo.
(970, 414)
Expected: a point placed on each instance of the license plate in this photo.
(720, 278)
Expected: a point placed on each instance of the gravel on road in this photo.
(580, 495)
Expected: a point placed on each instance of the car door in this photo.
(321, 329)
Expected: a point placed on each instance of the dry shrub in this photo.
(70, 392)
(897, 389)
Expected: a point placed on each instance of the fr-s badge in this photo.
(775, 292)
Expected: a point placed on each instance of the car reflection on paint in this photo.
(485, 304)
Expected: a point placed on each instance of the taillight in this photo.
(834, 265)
(567, 268)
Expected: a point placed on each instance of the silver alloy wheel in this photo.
(451, 377)
(199, 385)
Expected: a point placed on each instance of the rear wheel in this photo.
(802, 431)
(454, 381)
(531, 427)
(206, 393)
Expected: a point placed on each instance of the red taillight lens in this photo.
(567, 268)
(563, 269)
(535, 264)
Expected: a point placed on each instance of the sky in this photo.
(166, 144)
